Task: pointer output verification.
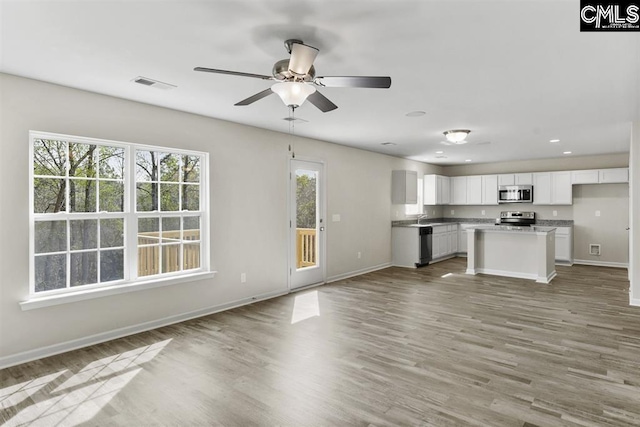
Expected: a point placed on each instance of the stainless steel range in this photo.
(517, 218)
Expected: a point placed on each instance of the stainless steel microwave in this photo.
(515, 194)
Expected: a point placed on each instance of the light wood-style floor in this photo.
(429, 347)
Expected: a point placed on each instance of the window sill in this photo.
(40, 302)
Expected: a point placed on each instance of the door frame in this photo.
(322, 214)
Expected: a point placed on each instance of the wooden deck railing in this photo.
(305, 247)
(149, 256)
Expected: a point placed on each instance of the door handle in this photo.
(321, 228)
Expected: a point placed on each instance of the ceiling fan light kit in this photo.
(457, 136)
(293, 94)
(297, 79)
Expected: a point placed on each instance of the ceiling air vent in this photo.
(153, 83)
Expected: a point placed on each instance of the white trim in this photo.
(601, 263)
(634, 302)
(82, 295)
(531, 276)
(358, 272)
(39, 353)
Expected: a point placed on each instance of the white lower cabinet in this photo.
(564, 245)
(444, 241)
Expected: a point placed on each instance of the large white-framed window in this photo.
(107, 214)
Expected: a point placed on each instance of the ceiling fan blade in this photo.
(302, 57)
(233, 73)
(322, 102)
(354, 81)
(253, 98)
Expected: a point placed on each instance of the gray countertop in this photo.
(430, 222)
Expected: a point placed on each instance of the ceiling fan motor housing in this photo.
(281, 72)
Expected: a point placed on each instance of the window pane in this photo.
(84, 234)
(191, 256)
(169, 195)
(111, 265)
(148, 260)
(111, 196)
(190, 169)
(169, 167)
(191, 228)
(170, 230)
(146, 197)
(82, 195)
(50, 236)
(49, 195)
(191, 197)
(49, 157)
(111, 233)
(148, 231)
(146, 166)
(84, 268)
(111, 162)
(50, 272)
(82, 160)
(170, 258)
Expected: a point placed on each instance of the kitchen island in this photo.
(521, 252)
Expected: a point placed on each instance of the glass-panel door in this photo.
(307, 224)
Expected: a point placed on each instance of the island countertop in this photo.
(513, 229)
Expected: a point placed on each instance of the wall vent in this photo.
(594, 249)
(145, 81)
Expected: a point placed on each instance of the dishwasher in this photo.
(426, 245)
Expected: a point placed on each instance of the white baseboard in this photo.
(634, 302)
(516, 275)
(358, 272)
(601, 263)
(39, 353)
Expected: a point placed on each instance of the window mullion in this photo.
(131, 222)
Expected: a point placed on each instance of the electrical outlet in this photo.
(335, 217)
(597, 213)
(433, 212)
(555, 213)
(482, 212)
(453, 212)
(359, 255)
(243, 277)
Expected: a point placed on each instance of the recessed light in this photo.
(388, 143)
(468, 160)
(566, 152)
(415, 114)
(554, 140)
(439, 152)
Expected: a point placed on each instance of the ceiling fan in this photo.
(296, 79)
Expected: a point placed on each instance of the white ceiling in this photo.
(517, 73)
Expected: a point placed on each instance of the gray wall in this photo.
(249, 171)
(634, 179)
(542, 165)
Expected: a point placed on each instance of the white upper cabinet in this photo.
(404, 187)
(542, 188)
(474, 190)
(552, 188)
(611, 176)
(458, 190)
(561, 190)
(436, 190)
(523, 178)
(600, 176)
(585, 177)
(489, 189)
(506, 179)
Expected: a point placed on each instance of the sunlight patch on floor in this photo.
(305, 306)
(81, 396)
(444, 276)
